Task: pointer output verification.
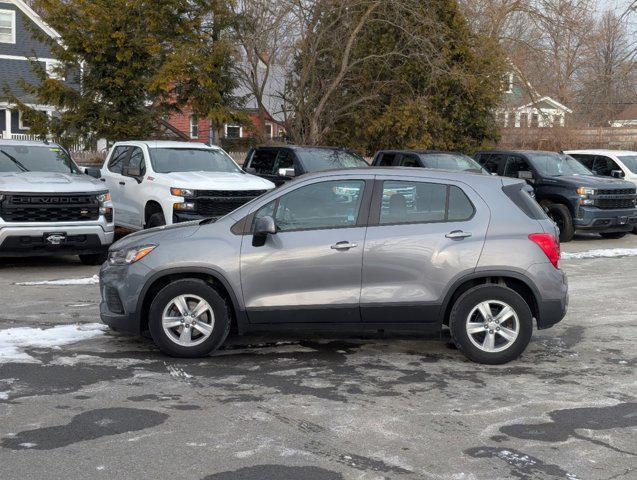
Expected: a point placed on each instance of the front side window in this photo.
(116, 162)
(604, 166)
(587, 160)
(630, 161)
(491, 163)
(136, 160)
(557, 164)
(421, 202)
(387, 159)
(319, 159)
(7, 26)
(263, 161)
(334, 204)
(18, 158)
(167, 160)
(409, 161)
(514, 166)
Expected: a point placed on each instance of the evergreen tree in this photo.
(128, 63)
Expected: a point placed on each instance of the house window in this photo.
(22, 123)
(194, 126)
(234, 131)
(52, 70)
(267, 129)
(7, 26)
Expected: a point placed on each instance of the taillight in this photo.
(549, 245)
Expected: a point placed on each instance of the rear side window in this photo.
(263, 161)
(514, 166)
(587, 160)
(422, 202)
(518, 195)
(116, 163)
(409, 161)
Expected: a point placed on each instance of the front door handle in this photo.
(458, 234)
(343, 246)
(102, 179)
(122, 183)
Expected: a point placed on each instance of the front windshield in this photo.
(318, 159)
(166, 160)
(557, 164)
(630, 161)
(20, 158)
(451, 161)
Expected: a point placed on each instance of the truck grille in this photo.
(49, 208)
(622, 191)
(216, 203)
(612, 203)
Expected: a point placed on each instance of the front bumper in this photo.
(27, 239)
(121, 288)
(600, 220)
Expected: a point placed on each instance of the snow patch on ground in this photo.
(13, 341)
(94, 280)
(601, 253)
(4, 395)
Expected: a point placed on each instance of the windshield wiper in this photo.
(14, 160)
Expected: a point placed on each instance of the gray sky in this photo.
(619, 5)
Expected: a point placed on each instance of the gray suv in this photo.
(350, 250)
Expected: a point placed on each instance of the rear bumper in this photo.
(20, 239)
(552, 297)
(600, 220)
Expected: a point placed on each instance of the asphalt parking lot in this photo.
(320, 408)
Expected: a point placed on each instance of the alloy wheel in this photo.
(493, 326)
(188, 320)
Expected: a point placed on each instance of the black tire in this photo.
(466, 304)
(94, 258)
(197, 287)
(156, 220)
(562, 216)
(614, 235)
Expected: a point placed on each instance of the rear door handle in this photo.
(102, 179)
(122, 183)
(458, 234)
(343, 246)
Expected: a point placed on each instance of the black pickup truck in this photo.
(572, 195)
(280, 164)
(426, 159)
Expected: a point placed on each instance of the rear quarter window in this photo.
(524, 202)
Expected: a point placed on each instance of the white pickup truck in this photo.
(154, 183)
(49, 207)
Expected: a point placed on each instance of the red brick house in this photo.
(198, 129)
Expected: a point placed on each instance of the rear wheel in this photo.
(188, 318)
(491, 324)
(156, 220)
(94, 258)
(614, 235)
(561, 215)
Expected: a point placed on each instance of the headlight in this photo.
(182, 192)
(104, 197)
(586, 191)
(127, 256)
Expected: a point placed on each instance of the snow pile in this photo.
(601, 253)
(13, 341)
(94, 280)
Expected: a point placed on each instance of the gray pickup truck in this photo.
(48, 206)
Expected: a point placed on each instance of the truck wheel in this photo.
(156, 220)
(614, 235)
(188, 318)
(561, 215)
(94, 258)
(491, 324)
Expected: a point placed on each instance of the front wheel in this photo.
(188, 318)
(156, 220)
(491, 324)
(613, 235)
(561, 215)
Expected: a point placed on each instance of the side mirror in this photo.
(135, 173)
(525, 175)
(265, 226)
(286, 172)
(617, 174)
(94, 172)
(250, 170)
